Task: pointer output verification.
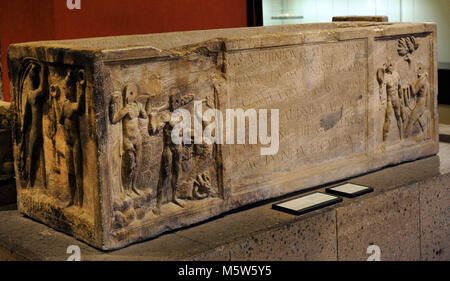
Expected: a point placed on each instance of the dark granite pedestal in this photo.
(407, 217)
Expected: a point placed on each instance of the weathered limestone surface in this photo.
(93, 157)
(338, 232)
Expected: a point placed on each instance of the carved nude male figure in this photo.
(67, 113)
(171, 157)
(394, 100)
(129, 114)
(32, 90)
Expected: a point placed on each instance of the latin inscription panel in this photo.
(322, 106)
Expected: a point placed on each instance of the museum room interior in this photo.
(138, 130)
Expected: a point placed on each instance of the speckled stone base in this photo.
(407, 216)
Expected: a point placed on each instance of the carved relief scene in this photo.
(405, 98)
(158, 177)
(53, 138)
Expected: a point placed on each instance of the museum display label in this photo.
(349, 190)
(307, 203)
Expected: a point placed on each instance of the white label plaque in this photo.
(307, 203)
(349, 190)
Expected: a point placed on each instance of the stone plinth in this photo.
(92, 120)
(407, 216)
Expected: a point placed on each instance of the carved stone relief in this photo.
(94, 120)
(407, 99)
(51, 133)
(178, 174)
(29, 107)
(419, 99)
(406, 47)
(126, 109)
(67, 113)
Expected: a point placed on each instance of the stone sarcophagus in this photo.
(100, 152)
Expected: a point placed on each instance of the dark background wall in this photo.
(34, 20)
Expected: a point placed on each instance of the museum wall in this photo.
(310, 11)
(25, 20)
(397, 11)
